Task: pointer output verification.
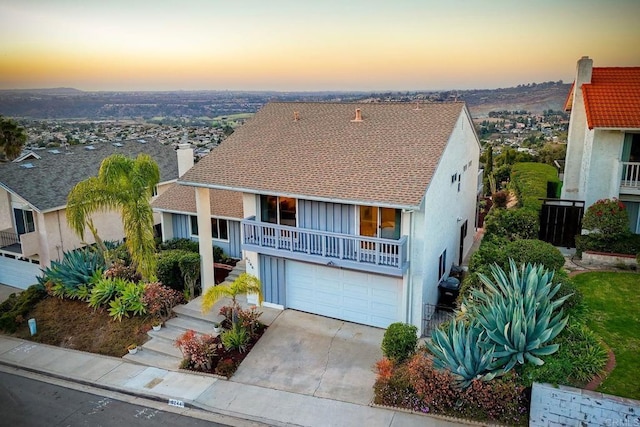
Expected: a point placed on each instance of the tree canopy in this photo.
(125, 185)
(12, 138)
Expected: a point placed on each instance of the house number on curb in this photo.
(178, 403)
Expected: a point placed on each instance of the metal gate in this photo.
(561, 221)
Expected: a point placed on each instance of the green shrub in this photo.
(513, 224)
(180, 244)
(169, 273)
(535, 252)
(236, 338)
(14, 308)
(399, 341)
(628, 244)
(580, 357)
(530, 182)
(607, 217)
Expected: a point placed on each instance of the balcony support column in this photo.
(205, 244)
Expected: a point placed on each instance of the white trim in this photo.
(272, 305)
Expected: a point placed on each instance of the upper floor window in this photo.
(278, 210)
(380, 222)
(631, 148)
(24, 221)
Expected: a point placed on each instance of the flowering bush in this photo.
(121, 271)
(160, 299)
(248, 318)
(607, 217)
(418, 386)
(198, 350)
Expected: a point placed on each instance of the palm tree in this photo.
(126, 185)
(245, 284)
(12, 138)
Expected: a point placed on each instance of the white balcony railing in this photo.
(341, 250)
(630, 180)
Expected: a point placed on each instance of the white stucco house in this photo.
(351, 211)
(603, 147)
(33, 199)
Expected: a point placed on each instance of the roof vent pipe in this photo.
(296, 116)
(358, 116)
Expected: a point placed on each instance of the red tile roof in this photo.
(182, 199)
(387, 158)
(612, 99)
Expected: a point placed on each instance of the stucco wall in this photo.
(601, 173)
(551, 406)
(5, 210)
(445, 205)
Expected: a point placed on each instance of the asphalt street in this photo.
(28, 402)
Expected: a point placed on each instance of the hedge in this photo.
(534, 181)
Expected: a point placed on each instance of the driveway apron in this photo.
(315, 355)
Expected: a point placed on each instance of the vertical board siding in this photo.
(272, 276)
(334, 217)
(234, 239)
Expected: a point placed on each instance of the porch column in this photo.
(203, 208)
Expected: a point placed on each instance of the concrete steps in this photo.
(160, 350)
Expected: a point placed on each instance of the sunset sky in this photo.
(309, 45)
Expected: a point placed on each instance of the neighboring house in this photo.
(33, 199)
(177, 206)
(352, 211)
(603, 147)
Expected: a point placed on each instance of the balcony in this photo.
(322, 247)
(630, 180)
(10, 242)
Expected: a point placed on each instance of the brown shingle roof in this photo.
(181, 198)
(388, 158)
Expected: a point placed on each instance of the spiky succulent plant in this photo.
(463, 349)
(518, 314)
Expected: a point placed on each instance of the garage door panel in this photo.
(343, 294)
(19, 274)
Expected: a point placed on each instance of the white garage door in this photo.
(19, 274)
(369, 299)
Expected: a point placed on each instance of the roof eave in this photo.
(298, 196)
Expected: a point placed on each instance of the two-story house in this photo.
(603, 147)
(33, 199)
(351, 211)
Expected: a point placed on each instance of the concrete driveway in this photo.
(313, 355)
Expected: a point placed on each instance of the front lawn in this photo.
(613, 302)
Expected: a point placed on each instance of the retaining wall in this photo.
(553, 406)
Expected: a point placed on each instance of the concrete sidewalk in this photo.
(246, 402)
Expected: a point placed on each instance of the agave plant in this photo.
(518, 314)
(464, 350)
(76, 268)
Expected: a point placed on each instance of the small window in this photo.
(442, 262)
(154, 191)
(194, 225)
(219, 229)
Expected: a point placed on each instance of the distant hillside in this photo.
(534, 98)
(69, 103)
